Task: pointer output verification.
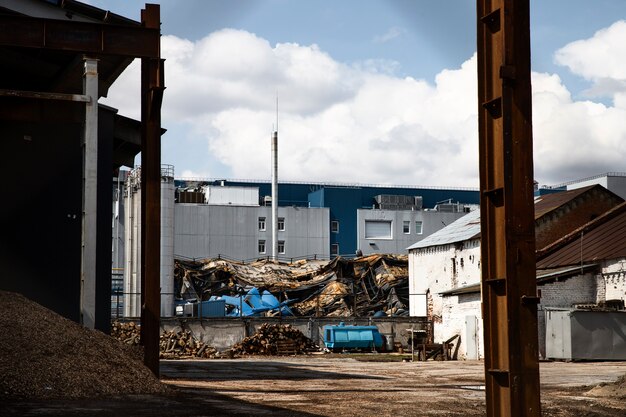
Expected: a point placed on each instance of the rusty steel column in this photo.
(507, 213)
(152, 86)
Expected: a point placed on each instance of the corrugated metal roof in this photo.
(550, 202)
(467, 227)
(602, 238)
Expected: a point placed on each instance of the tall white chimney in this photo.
(274, 193)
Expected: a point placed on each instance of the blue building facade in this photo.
(343, 201)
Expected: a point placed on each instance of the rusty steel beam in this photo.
(509, 294)
(82, 37)
(45, 96)
(152, 86)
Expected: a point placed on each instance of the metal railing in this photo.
(323, 302)
(593, 177)
(327, 184)
(290, 259)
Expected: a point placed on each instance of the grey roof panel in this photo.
(467, 227)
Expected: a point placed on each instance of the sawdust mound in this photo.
(616, 390)
(44, 355)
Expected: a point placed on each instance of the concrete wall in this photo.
(432, 221)
(202, 231)
(222, 334)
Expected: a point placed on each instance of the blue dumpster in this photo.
(352, 337)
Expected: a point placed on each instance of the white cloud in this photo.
(392, 33)
(600, 59)
(358, 123)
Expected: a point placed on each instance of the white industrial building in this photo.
(444, 269)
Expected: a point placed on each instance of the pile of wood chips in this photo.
(275, 339)
(44, 355)
(172, 345)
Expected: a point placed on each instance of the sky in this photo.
(374, 91)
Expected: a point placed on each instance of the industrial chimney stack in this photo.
(274, 193)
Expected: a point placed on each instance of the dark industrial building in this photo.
(62, 148)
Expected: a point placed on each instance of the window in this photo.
(406, 227)
(418, 228)
(334, 226)
(281, 246)
(261, 224)
(261, 246)
(281, 223)
(377, 229)
(334, 249)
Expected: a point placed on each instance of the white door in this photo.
(471, 337)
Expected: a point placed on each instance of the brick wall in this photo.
(586, 207)
(564, 293)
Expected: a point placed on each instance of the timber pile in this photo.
(275, 339)
(44, 355)
(183, 345)
(172, 345)
(128, 333)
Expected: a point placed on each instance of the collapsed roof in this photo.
(364, 286)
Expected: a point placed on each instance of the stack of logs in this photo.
(128, 333)
(275, 339)
(172, 344)
(183, 344)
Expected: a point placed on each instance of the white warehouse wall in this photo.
(203, 231)
(436, 269)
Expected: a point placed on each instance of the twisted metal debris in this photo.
(364, 286)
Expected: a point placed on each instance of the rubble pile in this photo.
(44, 355)
(275, 339)
(172, 345)
(363, 286)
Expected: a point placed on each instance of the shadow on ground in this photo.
(180, 403)
(249, 370)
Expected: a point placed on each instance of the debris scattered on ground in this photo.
(275, 339)
(44, 355)
(172, 345)
(364, 286)
(613, 390)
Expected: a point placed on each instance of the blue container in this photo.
(215, 308)
(352, 337)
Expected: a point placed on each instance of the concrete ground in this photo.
(341, 386)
